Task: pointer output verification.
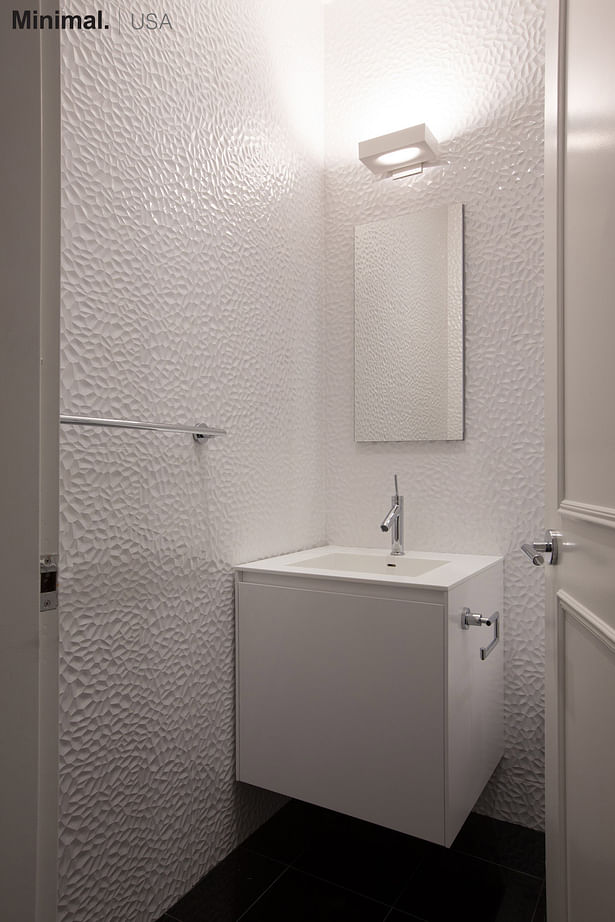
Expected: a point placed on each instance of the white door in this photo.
(580, 401)
(29, 293)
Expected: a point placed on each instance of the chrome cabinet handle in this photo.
(474, 619)
(536, 550)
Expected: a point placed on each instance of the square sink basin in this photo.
(370, 563)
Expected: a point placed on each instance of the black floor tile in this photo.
(453, 887)
(368, 859)
(289, 832)
(228, 890)
(503, 843)
(347, 869)
(297, 897)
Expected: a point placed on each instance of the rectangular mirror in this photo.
(409, 327)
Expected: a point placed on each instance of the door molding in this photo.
(30, 269)
(555, 133)
(597, 515)
(49, 468)
(587, 619)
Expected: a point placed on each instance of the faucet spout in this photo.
(394, 522)
(390, 517)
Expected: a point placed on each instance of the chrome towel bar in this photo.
(475, 619)
(199, 432)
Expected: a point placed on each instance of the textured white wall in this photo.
(192, 290)
(193, 208)
(473, 72)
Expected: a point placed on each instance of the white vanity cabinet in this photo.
(363, 693)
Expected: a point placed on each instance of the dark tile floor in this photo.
(312, 865)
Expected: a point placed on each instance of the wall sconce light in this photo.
(399, 154)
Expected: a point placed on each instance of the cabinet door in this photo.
(340, 702)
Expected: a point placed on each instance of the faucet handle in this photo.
(396, 487)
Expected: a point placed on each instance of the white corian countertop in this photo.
(428, 570)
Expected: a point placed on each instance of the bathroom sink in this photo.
(429, 570)
(371, 563)
(364, 688)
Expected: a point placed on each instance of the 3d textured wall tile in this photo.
(193, 234)
(473, 72)
(193, 283)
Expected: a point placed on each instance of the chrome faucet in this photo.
(394, 522)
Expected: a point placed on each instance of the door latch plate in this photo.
(49, 582)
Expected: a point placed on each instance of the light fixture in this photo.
(401, 153)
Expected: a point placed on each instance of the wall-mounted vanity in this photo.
(409, 327)
(361, 685)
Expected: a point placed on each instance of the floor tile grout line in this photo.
(403, 912)
(541, 891)
(409, 915)
(332, 883)
(300, 854)
(255, 851)
(263, 892)
(497, 864)
(252, 851)
(407, 883)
